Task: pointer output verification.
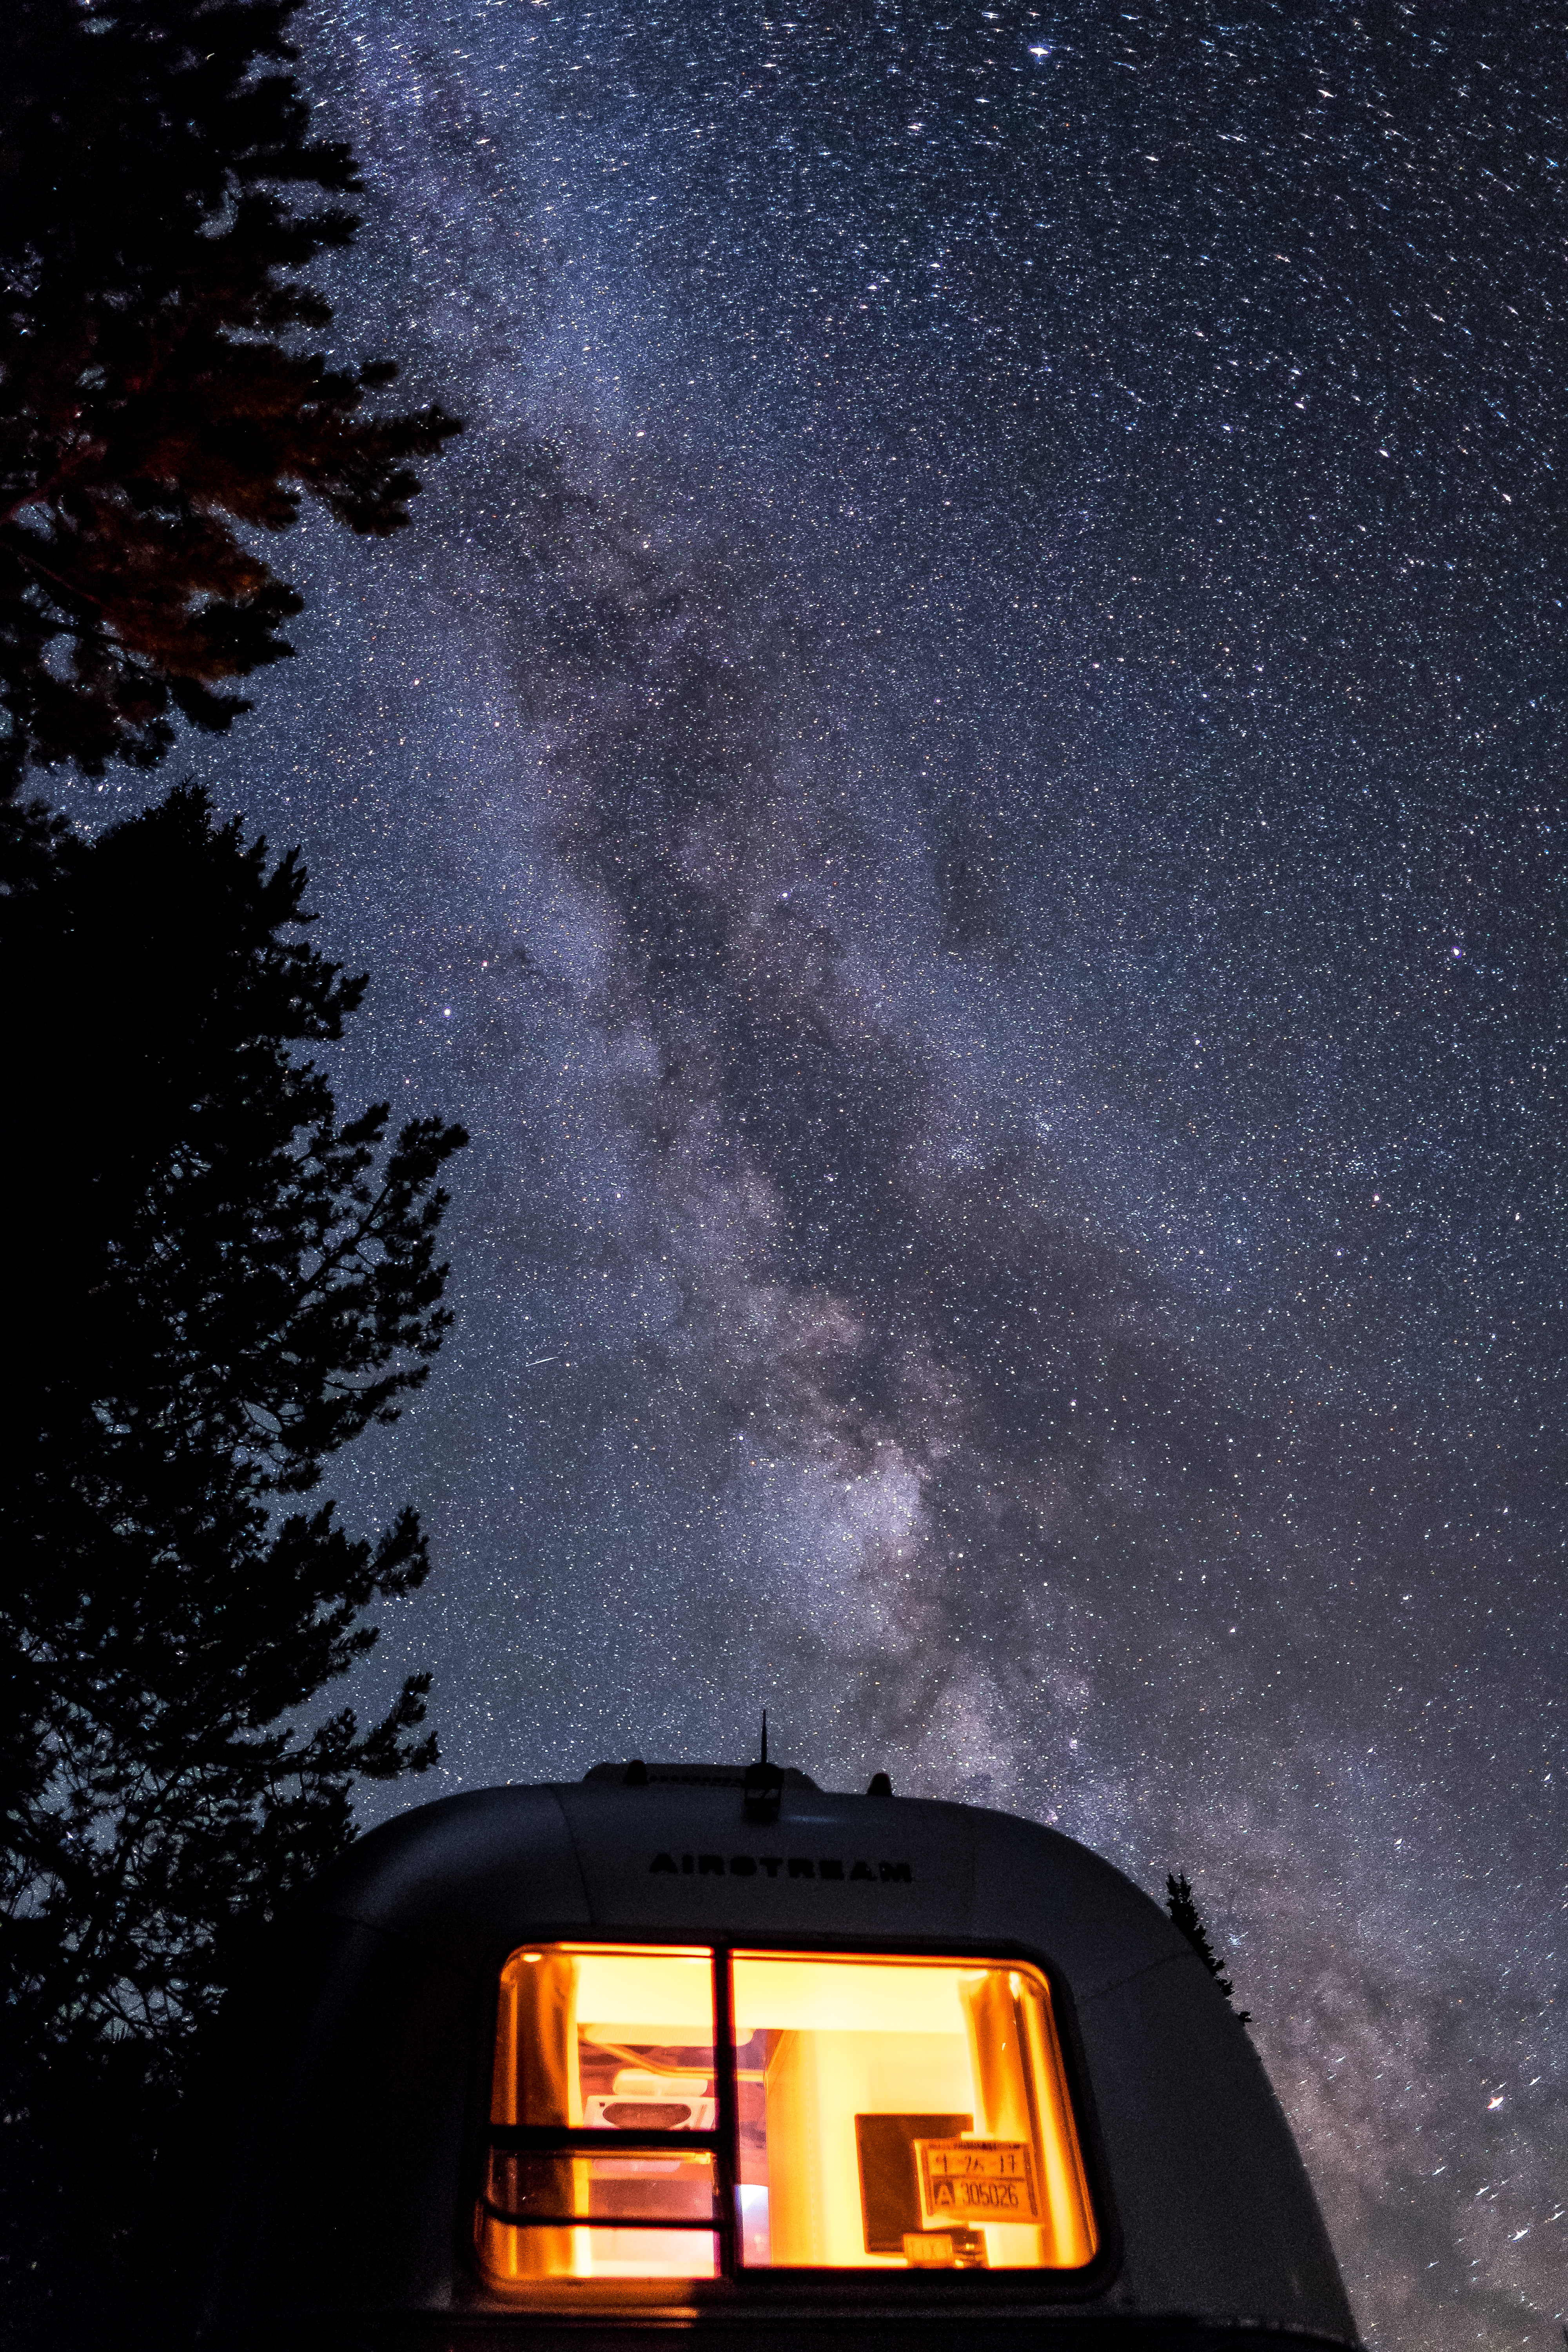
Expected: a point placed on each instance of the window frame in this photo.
(736, 2281)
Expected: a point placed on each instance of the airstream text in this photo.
(794, 1865)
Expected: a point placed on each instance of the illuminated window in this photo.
(903, 2114)
(604, 2155)
(873, 2114)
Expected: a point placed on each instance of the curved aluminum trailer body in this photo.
(376, 2190)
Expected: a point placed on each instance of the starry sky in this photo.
(961, 780)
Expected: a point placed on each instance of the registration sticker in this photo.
(976, 2180)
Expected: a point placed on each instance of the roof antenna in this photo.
(764, 1784)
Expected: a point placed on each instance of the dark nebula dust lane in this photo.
(961, 781)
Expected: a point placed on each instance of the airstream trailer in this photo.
(710, 2048)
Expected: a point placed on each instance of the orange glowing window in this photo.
(903, 2114)
(862, 2114)
(604, 2159)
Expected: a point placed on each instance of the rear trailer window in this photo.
(679, 2113)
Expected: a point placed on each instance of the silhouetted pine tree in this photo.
(212, 1285)
(1182, 1905)
(158, 406)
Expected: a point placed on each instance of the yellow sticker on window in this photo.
(974, 2181)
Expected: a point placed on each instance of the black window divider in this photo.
(730, 2251)
(709, 2229)
(553, 2139)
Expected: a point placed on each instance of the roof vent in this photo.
(764, 1784)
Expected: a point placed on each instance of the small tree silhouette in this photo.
(1182, 1905)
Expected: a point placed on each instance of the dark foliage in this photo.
(159, 404)
(213, 1284)
(1182, 1905)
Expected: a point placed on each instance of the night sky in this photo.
(961, 778)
